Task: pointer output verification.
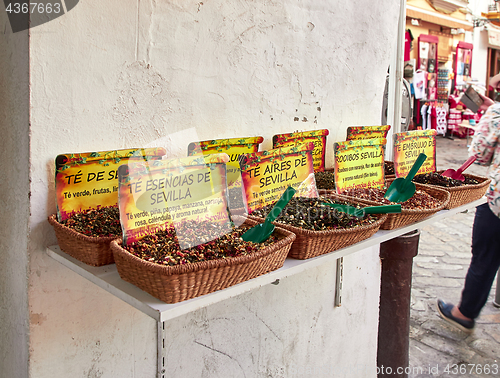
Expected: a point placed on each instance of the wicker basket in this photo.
(310, 244)
(460, 195)
(173, 284)
(409, 216)
(93, 251)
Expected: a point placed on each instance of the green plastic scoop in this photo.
(402, 189)
(351, 210)
(260, 232)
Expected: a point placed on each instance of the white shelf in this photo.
(107, 276)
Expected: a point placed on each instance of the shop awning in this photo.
(438, 19)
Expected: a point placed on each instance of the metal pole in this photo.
(394, 312)
(394, 104)
(338, 282)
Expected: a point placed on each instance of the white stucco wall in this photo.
(480, 57)
(479, 38)
(14, 201)
(123, 74)
(289, 330)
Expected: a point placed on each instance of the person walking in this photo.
(485, 248)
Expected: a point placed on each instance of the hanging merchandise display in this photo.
(432, 58)
(441, 124)
(434, 116)
(431, 86)
(423, 54)
(443, 84)
(454, 119)
(427, 65)
(463, 63)
(425, 112)
(419, 84)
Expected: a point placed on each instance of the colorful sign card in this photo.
(156, 194)
(90, 180)
(267, 174)
(359, 164)
(318, 137)
(233, 147)
(408, 145)
(367, 132)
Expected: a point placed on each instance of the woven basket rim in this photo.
(483, 181)
(422, 187)
(89, 239)
(165, 270)
(426, 189)
(302, 231)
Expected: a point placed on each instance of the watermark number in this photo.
(35, 8)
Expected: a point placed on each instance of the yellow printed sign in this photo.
(233, 147)
(318, 137)
(408, 145)
(90, 180)
(359, 164)
(154, 195)
(267, 174)
(367, 132)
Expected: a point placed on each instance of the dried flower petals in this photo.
(235, 197)
(419, 201)
(100, 222)
(163, 247)
(435, 178)
(325, 180)
(310, 214)
(389, 168)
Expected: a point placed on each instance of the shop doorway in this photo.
(493, 69)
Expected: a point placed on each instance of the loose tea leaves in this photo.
(236, 198)
(435, 178)
(310, 214)
(163, 247)
(100, 222)
(325, 180)
(389, 168)
(419, 201)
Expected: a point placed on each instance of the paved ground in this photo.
(438, 272)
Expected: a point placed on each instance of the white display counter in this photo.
(107, 276)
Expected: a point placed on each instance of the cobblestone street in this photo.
(437, 349)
